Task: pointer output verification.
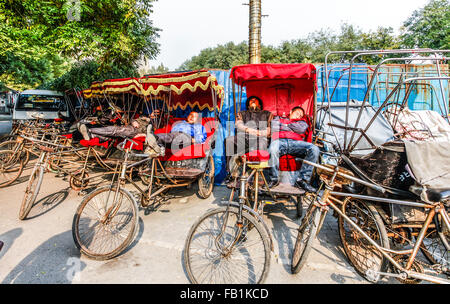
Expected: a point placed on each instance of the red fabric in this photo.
(266, 71)
(280, 86)
(184, 84)
(307, 136)
(288, 163)
(93, 142)
(192, 151)
(67, 135)
(257, 156)
(58, 120)
(288, 135)
(139, 141)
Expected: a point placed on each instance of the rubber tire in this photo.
(31, 194)
(204, 191)
(127, 241)
(303, 244)
(429, 256)
(19, 170)
(247, 217)
(12, 143)
(384, 265)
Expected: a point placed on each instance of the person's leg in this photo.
(296, 148)
(114, 131)
(274, 151)
(84, 131)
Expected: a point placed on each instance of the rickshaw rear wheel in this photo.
(79, 181)
(206, 181)
(433, 248)
(99, 237)
(214, 243)
(363, 255)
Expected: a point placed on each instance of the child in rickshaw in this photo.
(288, 137)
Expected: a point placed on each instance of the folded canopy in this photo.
(281, 87)
(244, 73)
(192, 88)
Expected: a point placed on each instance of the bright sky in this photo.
(188, 26)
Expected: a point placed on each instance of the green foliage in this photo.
(161, 69)
(428, 27)
(311, 49)
(40, 40)
(83, 73)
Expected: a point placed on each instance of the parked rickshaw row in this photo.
(371, 166)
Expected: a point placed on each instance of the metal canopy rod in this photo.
(366, 97)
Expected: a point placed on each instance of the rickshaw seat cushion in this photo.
(138, 140)
(93, 142)
(289, 163)
(257, 156)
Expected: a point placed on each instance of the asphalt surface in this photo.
(41, 249)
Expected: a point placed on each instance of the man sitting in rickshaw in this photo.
(183, 133)
(253, 131)
(288, 137)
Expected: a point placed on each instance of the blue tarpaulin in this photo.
(424, 95)
(227, 120)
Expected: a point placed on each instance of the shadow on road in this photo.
(8, 239)
(46, 204)
(56, 261)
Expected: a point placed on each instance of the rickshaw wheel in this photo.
(79, 181)
(31, 192)
(236, 254)
(434, 250)
(11, 167)
(305, 238)
(363, 255)
(99, 237)
(206, 181)
(11, 145)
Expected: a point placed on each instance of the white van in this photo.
(40, 103)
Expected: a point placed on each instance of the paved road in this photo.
(41, 249)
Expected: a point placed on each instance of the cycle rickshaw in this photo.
(389, 206)
(107, 218)
(232, 244)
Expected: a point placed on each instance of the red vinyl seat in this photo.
(94, 142)
(192, 151)
(257, 156)
(137, 145)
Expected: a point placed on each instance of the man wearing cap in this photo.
(288, 137)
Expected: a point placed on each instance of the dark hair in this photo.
(297, 108)
(254, 97)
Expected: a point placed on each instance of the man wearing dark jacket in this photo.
(252, 131)
(288, 137)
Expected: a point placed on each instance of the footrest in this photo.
(287, 189)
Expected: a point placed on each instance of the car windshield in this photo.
(41, 102)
